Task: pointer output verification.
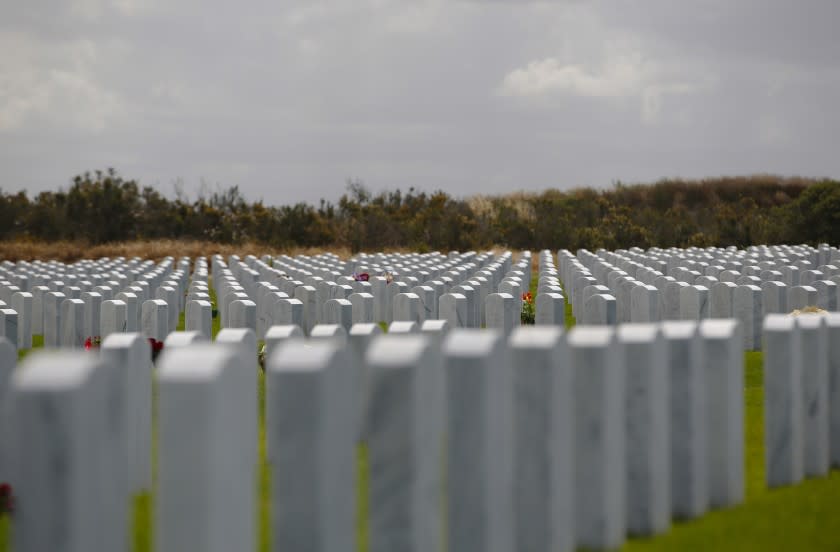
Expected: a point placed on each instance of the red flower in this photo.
(527, 297)
(157, 346)
(93, 342)
(7, 500)
(363, 277)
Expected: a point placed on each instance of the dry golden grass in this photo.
(72, 251)
(67, 252)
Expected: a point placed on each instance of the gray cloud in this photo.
(288, 100)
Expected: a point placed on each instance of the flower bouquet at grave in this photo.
(157, 347)
(7, 499)
(808, 310)
(388, 277)
(93, 342)
(363, 277)
(528, 314)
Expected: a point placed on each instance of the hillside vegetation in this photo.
(103, 207)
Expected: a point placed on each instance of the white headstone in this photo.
(92, 313)
(131, 352)
(600, 309)
(308, 415)
(59, 398)
(403, 328)
(648, 452)
(52, 318)
(748, 310)
(452, 307)
(826, 295)
(694, 303)
(276, 335)
(600, 465)
(22, 304)
(242, 314)
(307, 295)
(783, 411)
(550, 310)
(38, 309)
(329, 331)
(407, 308)
(155, 319)
(689, 456)
(339, 311)
(724, 410)
(404, 443)
(113, 318)
(814, 354)
(774, 297)
(543, 427)
(73, 324)
(8, 358)
(359, 339)
(244, 342)
(800, 297)
(501, 312)
(644, 304)
(9, 326)
(200, 474)
(199, 318)
(132, 310)
(833, 327)
(183, 339)
(479, 500)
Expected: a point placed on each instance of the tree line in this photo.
(103, 207)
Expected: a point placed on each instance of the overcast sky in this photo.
(289, 99)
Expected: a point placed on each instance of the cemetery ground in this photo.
(799, 517)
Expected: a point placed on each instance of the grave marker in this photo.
(479, 442)
(543, 429)
(404, 443)
(309, 418)
(783, 410)
(600, 465)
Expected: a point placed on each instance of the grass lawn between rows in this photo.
(802, 517)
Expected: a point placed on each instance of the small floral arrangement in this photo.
(363, 277)
(261, 357)
(388, 277)
(93, 342)
(157, 347)
(528, 314)
(808, 310)
(7, 499)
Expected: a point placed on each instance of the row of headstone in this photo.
(306, 291)
(66, 303)
(694, 284)
(549, 440)
(801, 396)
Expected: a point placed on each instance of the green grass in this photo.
(37, 343)
(216, 321)
(802, 517)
